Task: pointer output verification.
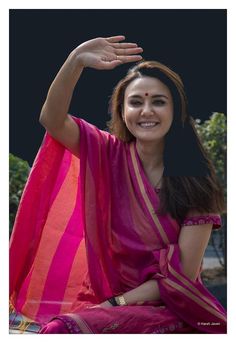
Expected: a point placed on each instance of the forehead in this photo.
(146, 84)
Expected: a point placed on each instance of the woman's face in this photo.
(148, 109)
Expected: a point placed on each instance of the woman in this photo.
(113, 226)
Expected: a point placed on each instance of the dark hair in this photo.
(189, 180)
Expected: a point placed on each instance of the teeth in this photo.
(147, 124)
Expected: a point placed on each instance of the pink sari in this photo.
(87, 229)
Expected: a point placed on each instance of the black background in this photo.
(191, 42)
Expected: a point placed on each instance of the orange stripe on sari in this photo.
(75, 280)
(58, 217)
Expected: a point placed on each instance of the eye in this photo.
(135, 103)
(159, 102)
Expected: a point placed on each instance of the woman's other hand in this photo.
(107, 53)
(104, 304)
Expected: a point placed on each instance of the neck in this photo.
(151, 154)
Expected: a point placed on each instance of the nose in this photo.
(147, 109)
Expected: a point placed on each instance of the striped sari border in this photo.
(146, 198)
(185, 280)
(188, 294)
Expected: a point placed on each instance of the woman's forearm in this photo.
(148, 291)
(56, 106)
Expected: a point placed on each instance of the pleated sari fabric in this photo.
(87, 229)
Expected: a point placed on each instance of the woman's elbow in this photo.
(190, 273)
(43, 118)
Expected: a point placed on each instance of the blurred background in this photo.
(191, 42)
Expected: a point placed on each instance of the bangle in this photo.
(112, 301)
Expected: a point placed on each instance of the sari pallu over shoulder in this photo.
(48, 263)
(77, 224)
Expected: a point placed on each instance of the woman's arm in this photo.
(98, 53)
(193, 241)
(148, 291)
(54, 111)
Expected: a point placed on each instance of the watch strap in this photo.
(113, 301)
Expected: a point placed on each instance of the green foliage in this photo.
(18, 174)
(213, 136)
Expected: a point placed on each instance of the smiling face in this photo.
(148, 109)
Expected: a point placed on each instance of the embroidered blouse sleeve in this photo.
(214, 219)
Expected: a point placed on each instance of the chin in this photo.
(149, 138)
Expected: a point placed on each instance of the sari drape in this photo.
(88, 228)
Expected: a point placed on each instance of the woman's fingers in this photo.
(114, 39)
(118, 53)
(94, 306)
(127, 59)
(130, 51)
(123, 45)
(122, 50)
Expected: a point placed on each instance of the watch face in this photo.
(122, 300)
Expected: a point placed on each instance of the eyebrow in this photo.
(153, 96)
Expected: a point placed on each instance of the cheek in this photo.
(130, 109)
(167, 113)
(129, 113)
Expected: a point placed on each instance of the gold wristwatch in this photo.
(121, 300)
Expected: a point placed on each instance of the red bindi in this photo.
(146, 94)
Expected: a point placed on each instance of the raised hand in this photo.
(107, 53)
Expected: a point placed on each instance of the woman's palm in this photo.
(107, 53)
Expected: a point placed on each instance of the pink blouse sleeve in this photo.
(214, 219)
